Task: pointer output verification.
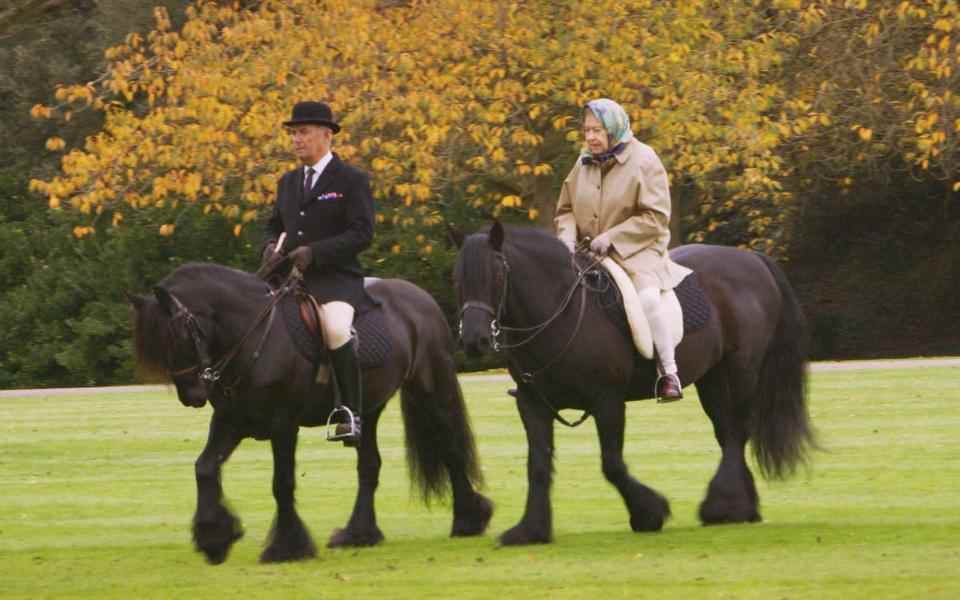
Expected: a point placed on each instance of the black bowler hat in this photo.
(312, 113)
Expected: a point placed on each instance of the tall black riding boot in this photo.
(347, 374)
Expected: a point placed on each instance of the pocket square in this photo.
(330, 196)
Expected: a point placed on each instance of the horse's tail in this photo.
(780, 427)
(439, 439)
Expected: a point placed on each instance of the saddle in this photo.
(687, 306)
(301, 312)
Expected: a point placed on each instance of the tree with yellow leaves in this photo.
(874, 93)
(479, 103)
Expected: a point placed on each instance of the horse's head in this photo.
(480, 281)
(175, 341)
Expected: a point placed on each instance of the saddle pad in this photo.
(373, 344)
(694, 304)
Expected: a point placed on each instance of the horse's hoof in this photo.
(216, 556)
(651, 514)
(712, 516)
(732, 506)
(342, 538)
(475, 522)
(216, 553)
(646, 523)
(519, 535)
(215, 537)
(276, 554)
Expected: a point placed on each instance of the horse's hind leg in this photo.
(732, 495)
(215, 529)
(648, 509)
(289, 539)
(362, 529)
(536, 525)
(471, 509)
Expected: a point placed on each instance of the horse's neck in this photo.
(236, 310)
(537, 286)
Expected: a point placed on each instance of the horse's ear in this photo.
(136, 300)
(164, 298)
(455, 236)
(496, 235)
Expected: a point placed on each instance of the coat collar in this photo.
(624, 154)
(325, 179)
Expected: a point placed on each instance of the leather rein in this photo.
(499, 331)
(210, 371)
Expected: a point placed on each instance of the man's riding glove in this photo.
(301, 257)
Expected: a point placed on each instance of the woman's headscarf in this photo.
(617, 124)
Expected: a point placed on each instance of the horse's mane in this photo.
(151, 327)
(151, 339)
(521, 241)
(200, 272)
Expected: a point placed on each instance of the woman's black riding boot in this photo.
(347, 374)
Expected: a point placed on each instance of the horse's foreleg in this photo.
(215, 529)
(361, 529)
(648, 509)
(536, 525)
(289, 539)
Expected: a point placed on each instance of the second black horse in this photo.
(520, 289)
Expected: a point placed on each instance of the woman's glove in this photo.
(600, 244)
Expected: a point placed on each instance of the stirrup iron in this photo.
(342, 415)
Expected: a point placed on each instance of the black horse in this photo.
(520, 289)
(210, 329)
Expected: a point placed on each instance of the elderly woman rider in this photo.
(617, 194)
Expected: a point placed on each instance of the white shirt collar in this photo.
(320, 165)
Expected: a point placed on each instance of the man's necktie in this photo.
(308, 181)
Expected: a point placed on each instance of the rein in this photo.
(498, 329)
(211, 372)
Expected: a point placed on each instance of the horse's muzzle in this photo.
(194, 396)
(194, 402)
(477, 345)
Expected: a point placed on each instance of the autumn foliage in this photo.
(479, 102)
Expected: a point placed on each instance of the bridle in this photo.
(211, 371)
(499, 331)
(495, 329)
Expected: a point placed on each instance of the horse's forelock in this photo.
(473, 253)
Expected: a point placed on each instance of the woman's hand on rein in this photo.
(600, 244)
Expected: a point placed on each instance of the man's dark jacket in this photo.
(336, 220)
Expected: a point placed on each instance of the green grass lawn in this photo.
(98, 493)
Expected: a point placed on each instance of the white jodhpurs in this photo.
(336, 318)
(659, 328)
